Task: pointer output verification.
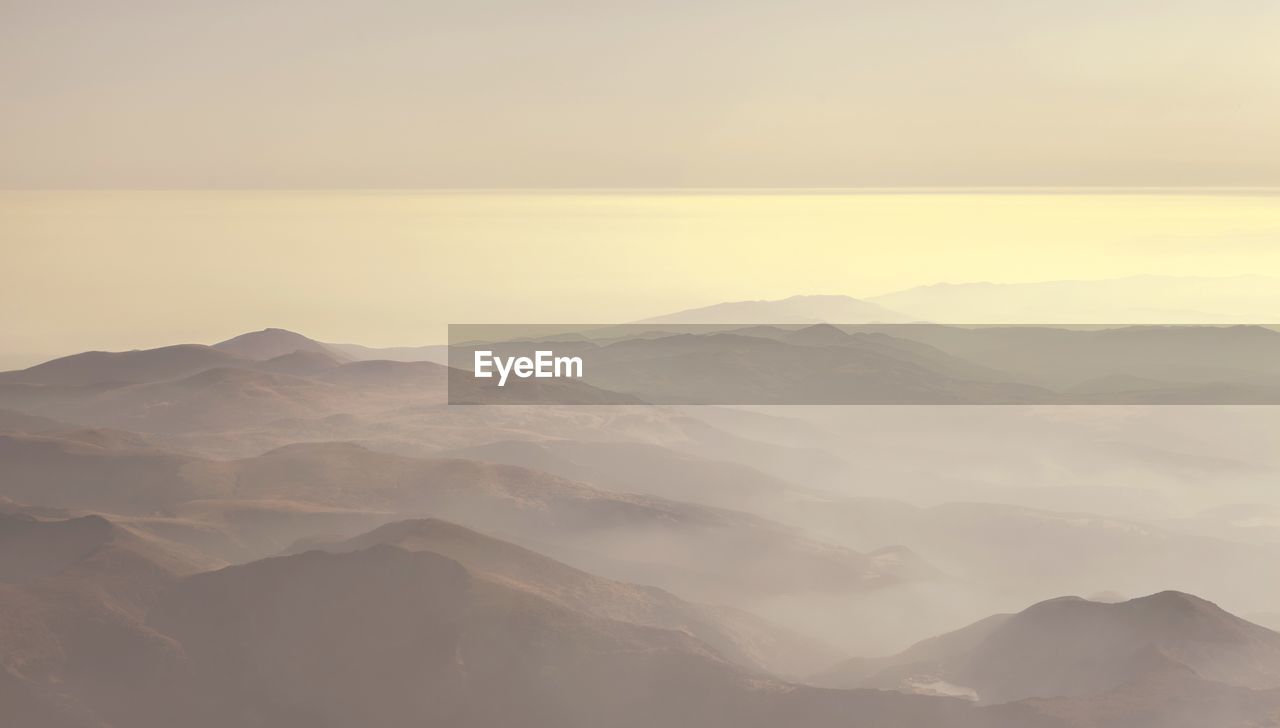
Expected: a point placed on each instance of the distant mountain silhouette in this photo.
(435, 353)
(124, 367)
(1248, 299)
(269, 349)
(188, 388)
(793, 310)
(272, 343)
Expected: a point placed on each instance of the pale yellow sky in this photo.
(593, 94)
(134, 269)
(660, 93)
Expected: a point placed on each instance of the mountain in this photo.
(715, 555)
(1247, 299)
(103, 629)
(924, 364)
(32, 549)
(1075, 647)
(894, 341)
(301, 363)
(65, 471)
(712, 554)
(271, 343)
(385, 637)
(73, 596)
(788, 367)
(793, 310)
(434, 353)
(744, 640)
(236, 531)
(223, 393)
(214, 399)
(298, 386)
(272, 347)
(124, 367)
(1120, 359)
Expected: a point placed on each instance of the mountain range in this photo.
(276, 531)
(424, 620)
(712, 554)
(382, 636)
(1246, 299)
(908, 364)
(1143, 299)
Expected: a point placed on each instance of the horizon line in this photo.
(852, 190)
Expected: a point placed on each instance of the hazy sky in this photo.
(118, 270)
(564, 93)
(402, 94)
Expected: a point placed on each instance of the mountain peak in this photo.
(821, 333)
(271, 343)
(1175, 598)
(1168, 601)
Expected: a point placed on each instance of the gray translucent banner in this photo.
(766, 364)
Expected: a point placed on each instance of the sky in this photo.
(118, 270)
(368, 171)
(598, 93)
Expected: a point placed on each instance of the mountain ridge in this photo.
(797, 309)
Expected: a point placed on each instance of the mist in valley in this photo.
(271, 489)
